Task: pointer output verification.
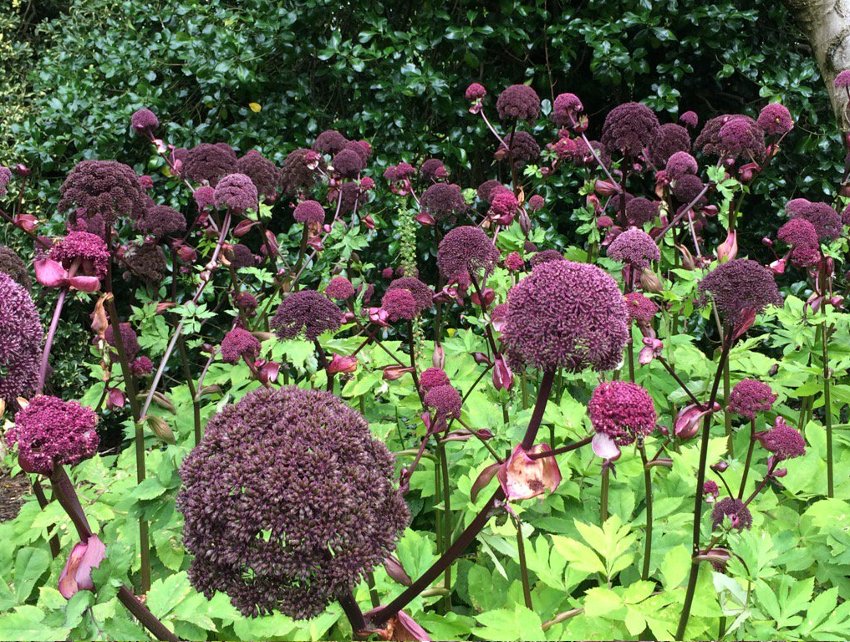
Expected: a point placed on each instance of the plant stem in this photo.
(727, 416)
(353, 613)
(539, 408)
(48, 343)
(447, 519)
(827, 395)
(749, 458)
(42, 502)
(647, 485)
(603, 498)
(703, 456)
(190, 383)
(523, 566)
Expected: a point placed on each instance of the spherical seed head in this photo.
(12, 265)
(144, 120)
(347, 163)
(687, 188)
(442, 200)
(635, 248)
(783, 441)
(802, 237)
(708, 142)
(422, 294)
(741, 138)
(288, 502)
(628, 129)
(433, 170)
(775, 119)
(669, 139)
(330, 142)
(237, 193)
(504, 203)
(262, 172)
(309, 212)
(241, 256)
(475, 91)
(307, 312)
(87, 249)
(545, 256)
(641, 309)
(147, 262)
(239, 343)
(733, 509)
(466, 252)
(209, 162)
(566, 109)
(399, 305)
(162, 222)
(339, 288)
(518, 102)
(521, 148)
(566, 315)
(621, 410)
(842, 80)
(20, 340)
(750, 397)
(295, 173)
(51, 432)
(487, 189)
(129, 339)
(689, 119)
(822, 216)
(96, 193)
(446, 400)
(680, 164)
(536, 202)
(204, 197)
(741, 287)
(432, 378)
(640, 211)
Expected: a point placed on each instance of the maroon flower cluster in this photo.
(288, 502)
(641, 310)
(147, 262)
(161, 222)
(802, 237)
(669, 139)
(741, 287)
(330, 142)
(309, 212)
(262, 172)
(50, 432)
(783, 441)
(87, 250)
(686, 188)
(741, 137)
(445, 400)
(466, 252)
(144, 121)
(236, 192)
(432, 378)
(347, 163)
(734, 510)
(241, 256)
(565, 109)
(518, 102)
(775, 119)
(399, 305)
(209, 162)
(681, 164)
(296, 174)
(305, 311)
(12, 265)
(433, 170)
(545, 256)
(628, 129)
(20, 340)
(239, 343)
(520, 148)
(340, 289)
(129, 339)
(635, 248)
(566, 315)
(621, 410)
(640, 211)
(750, 397)
(822, 216)
(442, 200)
(422, 294)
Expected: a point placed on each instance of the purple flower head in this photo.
(5, 177)
(204, 197)
(239, 343)
(708, 142)
(141, 366)
(246, 302)
(330, 142)
(305, 311)
(842, 80)
(635, 248)
(340, 289)
(399, 305)
(741, 288)
(567, 315)
(86, 250)
(445, 400)
(545, 256)
(680, 164)
(518, 102)
(12, 265)
(146, 262)
(20, 340)
(504, 203)
(565, 109)
(521, 148)
(734, 510)
(686, 188)
(288, 502)
(241, 256)
(422, 294)
(432, 378)
(640, 211)
(802, 237)
(209, 162)
(741, 137)
(466, 252)
(621, 410)
(641, 309)
(51, 432)
(487, 189)
(669, 139)
(433, 170)
(783, 441)
(96, 193)
(689, 119)
(129, 339)
(628, 129)
(236, 192)
(822, 216)
(750, 397)
(711, 488)
(144, 121)
(262, 173)
(583, 155)
(442, 200)
(475, 91)
(296, 174)
(347, 163)
(514, 262)
(775, 119)
(400, 172)
(162, 222)
(309, 212)
(536, 202)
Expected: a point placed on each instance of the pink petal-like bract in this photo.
(522, 477)
(605, 447)
(50, 273)
(84, 283)
(76, 575)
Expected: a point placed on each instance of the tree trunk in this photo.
(826, 24)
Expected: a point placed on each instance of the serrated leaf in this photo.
(30, 565)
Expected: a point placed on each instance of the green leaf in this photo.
(166, 594)
(26, 623)
(30, 564)
(675, 566)
(504, 624)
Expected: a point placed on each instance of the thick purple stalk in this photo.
(48, 343)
